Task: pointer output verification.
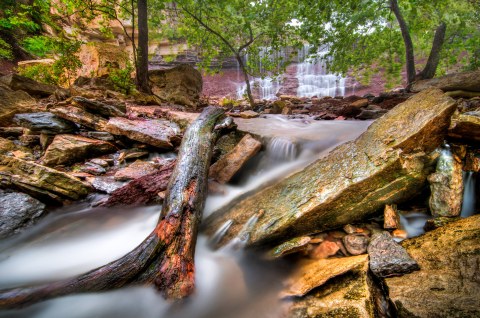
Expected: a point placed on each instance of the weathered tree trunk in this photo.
(434, 57)
(410, 58)
(166, 255)
(142, 56)
(247, 80)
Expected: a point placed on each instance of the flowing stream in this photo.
(230, 282)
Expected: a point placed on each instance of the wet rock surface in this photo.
(448, 283)
(17, 211)
(44, 122)
(388, 258)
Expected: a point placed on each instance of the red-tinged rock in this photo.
(324, 250)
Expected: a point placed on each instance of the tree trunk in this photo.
(142, 56)
(247, 80)
(430, 68)
(410, 58)
(166, 255)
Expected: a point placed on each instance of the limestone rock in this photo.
(467, 81)
(135, 170)
(106, 184)
(356, 244)
(15, 102)
(181, 84)
(80, 116)
(225, 168)
(465, 126)
(346, 295)
(68, 149)
(448, 283)
(245, 114)
(154, 132)
(6, 146)
(385, 165)
(15, 132)
(291, 246)
(387, 258)
(98, 58)
(360, 103)
(97, 107)
(17, 211)
(45, 123)
(391, 219)
(39, 181)
(17, 82)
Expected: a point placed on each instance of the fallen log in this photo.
(166, 256)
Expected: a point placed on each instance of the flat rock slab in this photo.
(388, 258)
(15, 102)
(387, 164)
(97, 107)
(69, 149)
(155, 132)
(45, 123)
(39, 181)
(227, 166)
(135, 170)
(448, 284)
(465, 126)
(313, 273)
(18, 211)
(467, 81)
(80, 117)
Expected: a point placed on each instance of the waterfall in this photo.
(282, 149)
(468, 204)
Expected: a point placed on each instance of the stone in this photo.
(356, 244)
(39, 181)
(245, 114)
(466, 81)
(227, 166)
(6, 146)
(69, 149)
(343, 296)
(46, 140)
(325, 249)
(80, 117)
(391, 219)
(93, 169)
(21, 83)
(155, 132)
(446, 186)
(14, 132)
(295, 245)
(100, 162)
(387, 164)
(286, 111)
(472, 162)
(135, 170)
(18, 211)
(465, 126)
(181, 85)
(15, 102)
(278, 106)
(387, 258)
(106, 184)
(96, 107)
(367, 114)
(448, 283)
(100, 135)
(45, 123)
(360, 103)
(99, 58)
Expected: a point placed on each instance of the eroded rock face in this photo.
(17, 211)
(181, 84)
(15, 102)
(448, 283)
(80, 116)
(385, 165)
(467, 81)
(17, 82)
(68, 149)
(40, 181)
(98, 58)
(45, 123)
(225, 168)
(154, 132)
(465, 126)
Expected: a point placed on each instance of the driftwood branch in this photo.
(166, 256)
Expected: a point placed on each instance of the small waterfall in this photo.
(468, 204)
(239, 241)
(265, 88)
(220, 233)
(282, 149)
(413, 223)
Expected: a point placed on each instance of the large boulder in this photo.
(15, 102)
(448, 282)
(39, 181)
(181, 84)
(18, 211)
(45, 123)
(387, 164)
(17, 82)
(68, 149)
(156, 132)
(99, 58)
(467, 81)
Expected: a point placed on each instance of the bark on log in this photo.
(166, 255)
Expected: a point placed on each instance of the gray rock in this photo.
(107, 184)
(45, 123)
(387, 258)
(99, 108)
(356, 244)
(18, 211)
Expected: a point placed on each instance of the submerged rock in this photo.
(388, 258)
(154, 132)
(18, 211)
(68, 149)
(448, 283)
(45, 123)
(387, 164)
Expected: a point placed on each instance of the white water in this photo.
(229, 283)
(313, 80)
(468, 204)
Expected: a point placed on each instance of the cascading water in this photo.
(468, 204)
(314, 81)
(229, 283)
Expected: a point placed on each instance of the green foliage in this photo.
(5, 50)
(38, 45)
(43, 73)
(122, 79)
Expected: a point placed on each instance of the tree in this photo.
(369, 36)
(239, 28)
(142, 55)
